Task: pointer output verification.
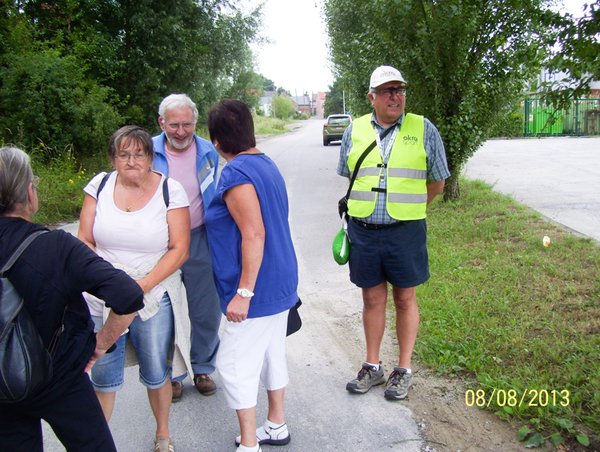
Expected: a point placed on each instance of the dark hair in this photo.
(230, 124)
(125, 135)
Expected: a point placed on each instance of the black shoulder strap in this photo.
(102, 184)
(12, 259)
(363, 156)
(165, 188)
(166, 192)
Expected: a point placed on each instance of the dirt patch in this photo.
(449, 425)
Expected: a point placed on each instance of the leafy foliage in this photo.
(125, 54)
(334, 102)
(247, 88)
(465, 61)
(282, 107)
(575, 54)
(46, 98)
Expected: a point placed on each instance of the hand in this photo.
(141, 283)
(237, 309)
(97, 354)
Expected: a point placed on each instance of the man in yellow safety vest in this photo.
(395, 182)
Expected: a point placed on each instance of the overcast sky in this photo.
(297, 59)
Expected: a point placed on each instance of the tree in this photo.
(334, 102)
(282, 107)
(46, 98)
(465, 61)
(267, 84)
(575, 53)
(247, 88)
(132, 53)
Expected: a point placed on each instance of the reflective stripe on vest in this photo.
(406, 171)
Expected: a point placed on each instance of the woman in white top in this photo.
(139, 221)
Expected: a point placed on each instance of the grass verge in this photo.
(265, 125)
(521, 318)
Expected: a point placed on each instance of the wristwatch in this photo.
(245, 293)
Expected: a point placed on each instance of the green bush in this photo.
(282, 107)
(509, 125)
(46, 100)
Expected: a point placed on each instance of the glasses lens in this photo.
(36, 182)
(389, 91)
(126, 157)
(175, 125)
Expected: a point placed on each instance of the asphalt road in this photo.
(326, 353)
(558, 177)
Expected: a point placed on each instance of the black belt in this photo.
(374, 227)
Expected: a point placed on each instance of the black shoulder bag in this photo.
(25, 364)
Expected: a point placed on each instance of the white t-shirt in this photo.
(131, 238)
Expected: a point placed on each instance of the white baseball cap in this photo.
(384, 74)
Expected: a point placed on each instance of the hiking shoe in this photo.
(205, 384)
(367, 377)
(398, 383)
(274, 436)
(177, 387)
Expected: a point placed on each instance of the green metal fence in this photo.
(583, 118)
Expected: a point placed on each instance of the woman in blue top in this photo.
(256, 273)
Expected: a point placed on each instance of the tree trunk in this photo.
(451, 189)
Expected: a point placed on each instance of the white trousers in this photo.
(252, 351)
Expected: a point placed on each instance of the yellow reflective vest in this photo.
(406, 171)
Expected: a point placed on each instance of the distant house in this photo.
(318, 103)
(303, 104)
(265, 102)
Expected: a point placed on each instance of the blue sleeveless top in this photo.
(277, 282)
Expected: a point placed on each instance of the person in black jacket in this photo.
(50, 275)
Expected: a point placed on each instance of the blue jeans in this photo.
(151, 340)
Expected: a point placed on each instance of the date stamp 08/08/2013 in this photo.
(513, 398)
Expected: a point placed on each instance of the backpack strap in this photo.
(13, 258)
(20, 250)
(102, 184)
(165, 188)
(166, 192)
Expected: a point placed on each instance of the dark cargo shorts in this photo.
(395, 254)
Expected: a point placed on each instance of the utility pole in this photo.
(344, 100)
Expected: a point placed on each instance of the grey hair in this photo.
(177, 101)
(15, 177)
(373, 91)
